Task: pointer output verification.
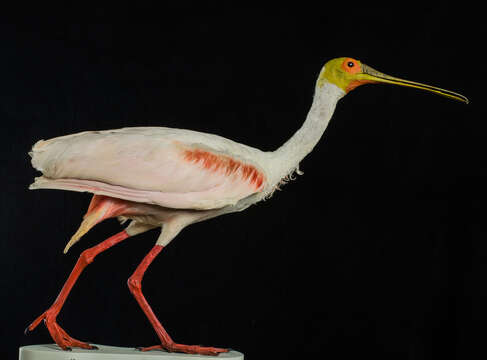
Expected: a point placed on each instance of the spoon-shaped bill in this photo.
(369, 75)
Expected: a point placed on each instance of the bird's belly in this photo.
(158, 215)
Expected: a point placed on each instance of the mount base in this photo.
(104, 352)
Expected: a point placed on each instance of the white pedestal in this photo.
(104, 352)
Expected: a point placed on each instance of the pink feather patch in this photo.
(226, 164)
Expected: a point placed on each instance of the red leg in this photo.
(49, 316)
(135, 286)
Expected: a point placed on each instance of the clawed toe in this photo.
(27, 330)
(149, 348)
(188, 349)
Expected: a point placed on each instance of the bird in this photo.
(168, 178)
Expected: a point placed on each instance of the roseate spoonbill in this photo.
(171, 178)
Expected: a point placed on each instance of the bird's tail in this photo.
(100, 208)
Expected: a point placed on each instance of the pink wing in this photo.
(156, 169)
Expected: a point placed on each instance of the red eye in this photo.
(351, 66)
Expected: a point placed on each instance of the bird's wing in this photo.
(168, 167)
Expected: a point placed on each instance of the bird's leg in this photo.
(135, 286)
(49, 316)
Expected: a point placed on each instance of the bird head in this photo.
(348, 73)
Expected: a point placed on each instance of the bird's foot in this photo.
(58, 334)
(188, 349)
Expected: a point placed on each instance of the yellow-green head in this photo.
(348, 73)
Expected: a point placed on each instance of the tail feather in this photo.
(100, 208)
(89, 220)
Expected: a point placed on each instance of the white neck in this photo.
(286, 158)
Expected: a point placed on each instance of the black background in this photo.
(378, 250)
